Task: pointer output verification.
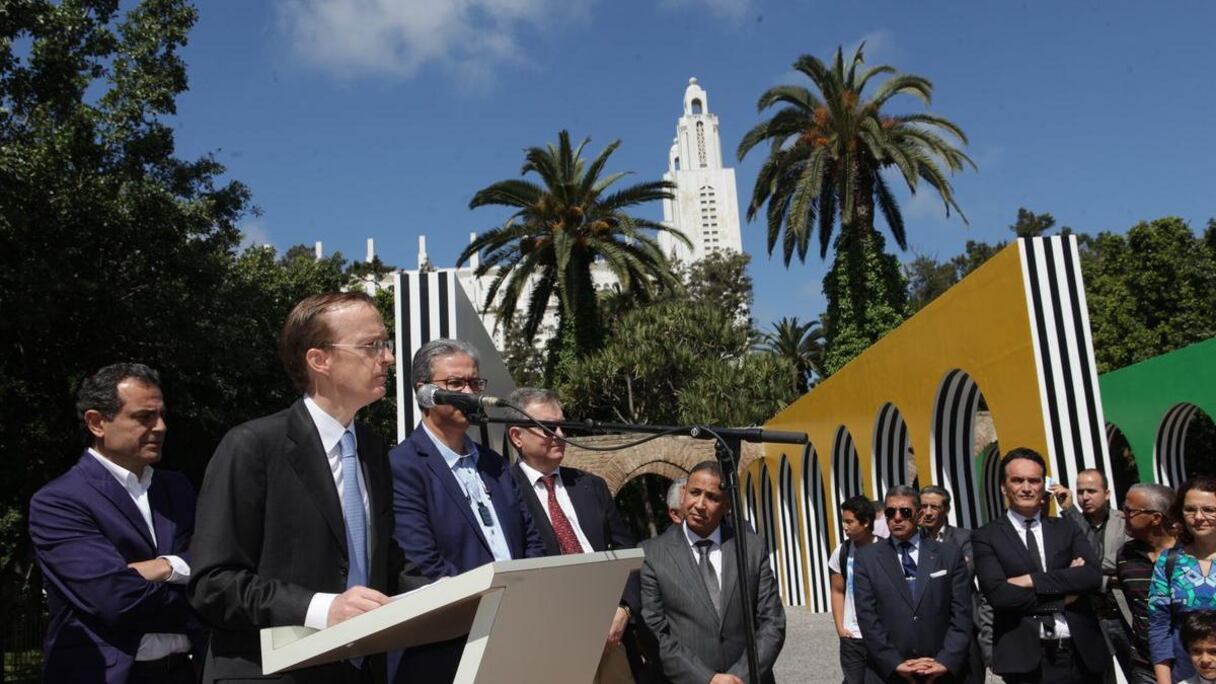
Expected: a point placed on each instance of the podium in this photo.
(504, 607)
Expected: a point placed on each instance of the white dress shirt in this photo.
(152, 646)
(1019, 526)
(914, 551)
(331, 431)
(715, 550)
(563, 499)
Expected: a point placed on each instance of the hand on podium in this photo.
(353, 602)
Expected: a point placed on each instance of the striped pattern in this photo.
(791, 537)
(891, 450)
(815, 530)
(994, 501)
(426, 302)
(749, 502)
(950, 457)
(846, 469)
(1064, 356)
(1169, 451)
(768, 534)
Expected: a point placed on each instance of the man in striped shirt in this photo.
(1146, 510)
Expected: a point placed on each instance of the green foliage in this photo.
(927, 279)
(802, 345)
(560, 227)
(867, 297)
(721, 279)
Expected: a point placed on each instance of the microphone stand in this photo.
(727, 451)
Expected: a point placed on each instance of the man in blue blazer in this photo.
(913, 600)
(456, 504)
(111, 538)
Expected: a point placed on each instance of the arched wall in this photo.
(1169, 449)
(892, 450)
(950, 453)
(792, 586)
(816, 534)
(846, 468)
(768, 532)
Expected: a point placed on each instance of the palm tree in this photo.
(828, 151)
(560, 227)
(799, 343)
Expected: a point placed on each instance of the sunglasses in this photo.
(903, 511)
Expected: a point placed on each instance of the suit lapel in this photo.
(540, 517)
(682, 552)
(158, 501)
(490, 470)
(590, 520)
(1006, 526)
(729, 582)
(105, 483)
(926, 563)
(889, 560)
(447, 479)
(308, 459)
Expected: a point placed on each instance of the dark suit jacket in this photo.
(693, 643)
(434, 524)
(85, 529)
(1001, 554)
(271, 535)
(937, 624)
(960, 537)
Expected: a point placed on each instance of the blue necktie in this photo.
(352, 511)
(905, 553)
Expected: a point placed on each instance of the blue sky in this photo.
(352, 119)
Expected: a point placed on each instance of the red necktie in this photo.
(567, 541)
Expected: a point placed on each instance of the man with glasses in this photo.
(913, 600)
(1146, 512)
(1032, 569)
(294, 519)
(456, 504)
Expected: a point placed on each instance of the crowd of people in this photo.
(305, 517)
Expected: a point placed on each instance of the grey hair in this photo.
(1160, 497)
(676, 492)
(940, 491)
(902, 491)
(524, 397)
(438, 348)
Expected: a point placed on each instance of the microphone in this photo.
(430, 396)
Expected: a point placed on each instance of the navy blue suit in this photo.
(439, 532)
(86, 529)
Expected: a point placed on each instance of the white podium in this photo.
(503, 607)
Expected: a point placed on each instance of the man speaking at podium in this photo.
(295, 515)
(456, 506)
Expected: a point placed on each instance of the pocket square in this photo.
(939, 573)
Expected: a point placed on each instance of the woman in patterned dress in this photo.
(1191, 584)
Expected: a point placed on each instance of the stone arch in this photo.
(892, 451)
(1169, 447)
(791, 535)
(951, 445)
(666, 469)
(815, 529)
(846, 469)
(697, 107)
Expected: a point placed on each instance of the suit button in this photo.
(915, 618)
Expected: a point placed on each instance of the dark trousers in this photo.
(1058, 664)
(175, 669)
(1120, 644)
(853, 660)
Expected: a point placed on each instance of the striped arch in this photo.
(892, 450)
(791, 536)
(989, 462)
(1169, 449)
(749, 502)
(815, 530)
(846, 469)
(950, 449)
(767, 523)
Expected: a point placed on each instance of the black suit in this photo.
(270, 534)
(1000, 554)
(896, 627)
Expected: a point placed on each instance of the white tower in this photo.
(706, 206)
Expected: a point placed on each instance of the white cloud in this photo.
(351, 38)
(254, 233)
(732, 10)
(880, 47)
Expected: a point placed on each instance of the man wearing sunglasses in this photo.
(1145, 510)
(455, 502)
(913, 600)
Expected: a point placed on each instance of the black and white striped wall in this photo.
(892, 450)
(1169, 449)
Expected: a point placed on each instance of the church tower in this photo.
(706, 207)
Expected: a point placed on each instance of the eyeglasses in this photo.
(903, 511)
(1133, 512)
(376, 348)
(1208, 512)
(458, 384)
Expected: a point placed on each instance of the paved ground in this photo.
(811, 653)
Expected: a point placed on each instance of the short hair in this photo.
(439, 348)
(1199, 625)
(99, 391)
(861, 508)
(1021, 452)
(940, 491)
(1160, 498)
(1101, 476)
(675, 493)
(904, 491)
(1203, 483)
(306, 328)
(524, 397)
(707, 466)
